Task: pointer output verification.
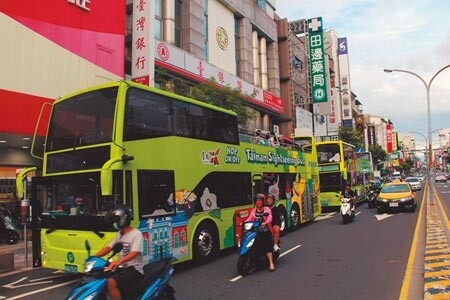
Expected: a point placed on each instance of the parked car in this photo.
(440, 178)
(396, 196)
(414, 182)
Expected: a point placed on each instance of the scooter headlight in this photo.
(250, 243)
(88, 266)
(248, 226)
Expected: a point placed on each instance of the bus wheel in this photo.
(283, 220)
(205, 244)
(295, 217)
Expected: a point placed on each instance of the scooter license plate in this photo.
(393, 204)
(71, 268)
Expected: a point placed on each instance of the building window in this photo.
(158, 20)
(205, 30)
(261, 4)
(178, 23)
(237, 46)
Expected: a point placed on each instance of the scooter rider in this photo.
(263, 212)
(130, 257)
(276, 222)
(349, 193)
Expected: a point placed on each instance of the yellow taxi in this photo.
(396, 196)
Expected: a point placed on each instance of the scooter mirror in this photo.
(117, 248)
(88, 247)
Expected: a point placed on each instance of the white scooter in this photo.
(347, 212)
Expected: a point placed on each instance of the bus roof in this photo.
(148, 88)
(335, 142)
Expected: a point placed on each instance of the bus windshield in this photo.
(75, 201)
(85, 119)
(328, 153)
(330, 182)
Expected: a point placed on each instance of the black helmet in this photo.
(121, 217)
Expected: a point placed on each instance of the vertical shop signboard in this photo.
(317, 61)
(142, 56)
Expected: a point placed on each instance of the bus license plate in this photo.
(71, 268)
(394, 204)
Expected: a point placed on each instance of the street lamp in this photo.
(426, 142)
(427, 87)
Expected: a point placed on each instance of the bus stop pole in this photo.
(24, 210)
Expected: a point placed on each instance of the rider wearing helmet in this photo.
(276, 221)
(349, 193)
(261, 212)
(130, 257)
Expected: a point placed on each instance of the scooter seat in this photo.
(151, 272)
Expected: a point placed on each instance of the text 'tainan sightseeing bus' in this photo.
(177, 162)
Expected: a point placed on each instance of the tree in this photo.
(210, 92)
(224, 97)
(407, 165)
(351, 136)
(378, 154)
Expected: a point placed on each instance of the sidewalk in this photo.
(18, 252)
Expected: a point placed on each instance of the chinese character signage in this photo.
(388, 138)
(175, 59)
(142, 57)
(317, 61)
(344, 88)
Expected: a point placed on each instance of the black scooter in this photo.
(372, 197)
(8, 233)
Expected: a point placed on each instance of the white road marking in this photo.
(42, 290)
(382, 216)
(14, 285)
(281, 255)
(325, 216)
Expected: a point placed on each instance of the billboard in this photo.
(345, 87)
(317, 65)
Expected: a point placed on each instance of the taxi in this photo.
(396, 196)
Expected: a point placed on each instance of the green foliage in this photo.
(224, 97)
(351, 136)
(209, 92)
(378, 154)
(407, 165)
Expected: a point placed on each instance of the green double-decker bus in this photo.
(181, 165)
(340, 164)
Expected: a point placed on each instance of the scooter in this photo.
(8, 232)
(154, 285)
(346, 210)
(372, 197)
(251, 258)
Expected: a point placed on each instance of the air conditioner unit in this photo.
(276, 130)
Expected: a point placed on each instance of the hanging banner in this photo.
(317, 61)
(345, 88)
(142, 55)
(388, 138)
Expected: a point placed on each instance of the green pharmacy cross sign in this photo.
(317, 61)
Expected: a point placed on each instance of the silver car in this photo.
(440, 178)
(414, 182)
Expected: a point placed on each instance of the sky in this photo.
(391, 34)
